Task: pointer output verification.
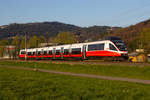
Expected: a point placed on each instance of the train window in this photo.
(33, 53)
(39, 53)
(76, 51)
(28, 53)
(45, 52)
(111, 47)
(57, 52)
(94, 47)
(22, 52)
(50, 52)
(66, 51)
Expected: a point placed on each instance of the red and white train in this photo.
(111, 48)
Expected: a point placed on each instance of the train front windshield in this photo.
(120, 44)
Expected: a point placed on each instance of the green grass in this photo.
(108, 70)
(30, 85)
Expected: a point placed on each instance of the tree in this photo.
(33, 42)
(42, 39)
(65, 38)
(16, 43)
(144, 38)
(3, 43)
(22, 43)
(1, 51)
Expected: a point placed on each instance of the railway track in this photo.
(89, 62)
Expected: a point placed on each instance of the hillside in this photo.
(131, 35)
(45, 28)
(51, 29)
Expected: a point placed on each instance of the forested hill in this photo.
(45, 29)
(135, 36)
(51, 29)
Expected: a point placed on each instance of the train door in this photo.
(84, 52)
(42, 51)
(61, 52)
(54, 52)
(36, 54)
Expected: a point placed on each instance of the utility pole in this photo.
(9, 41)
(25, 46)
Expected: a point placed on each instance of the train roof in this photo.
(65, 46)
(97, 41)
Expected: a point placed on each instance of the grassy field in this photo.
(30, 85)
(108, 70)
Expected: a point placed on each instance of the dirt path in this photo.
(83, 75)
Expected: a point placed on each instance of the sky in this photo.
(82, 13)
